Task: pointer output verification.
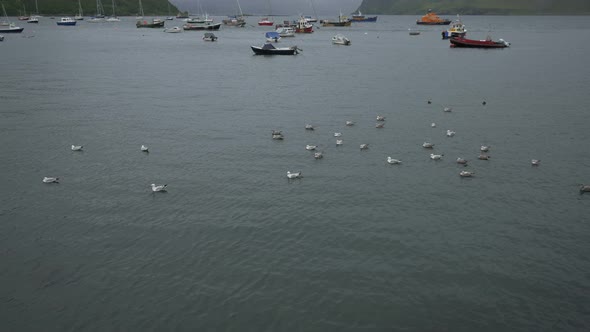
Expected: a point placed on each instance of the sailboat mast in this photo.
(36, 7)
(240, 8)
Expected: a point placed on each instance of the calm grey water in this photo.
(357, 244)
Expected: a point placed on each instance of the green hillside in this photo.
(70, 7)
(474, 7)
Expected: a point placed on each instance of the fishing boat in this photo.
(209, 36)
(472, 43)
(10, 27)
(343, 21)
(303, 26)
(270, 49)
(457, 29)
(67, 21)
(359, 17)
(432, 19)
(236, 20)
(272, 37)
(340, 40)
(154, 23)
(202, 26)
(265, 22)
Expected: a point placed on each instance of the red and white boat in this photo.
(472, 43)
(266, 22)
(303, 26)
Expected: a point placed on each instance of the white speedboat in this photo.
(340, 40)
(173, 30)
(286, 32)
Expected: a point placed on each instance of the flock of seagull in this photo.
(484, 149)
(143, 148)
(278, 135)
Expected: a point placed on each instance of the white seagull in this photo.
(308, 127)
(433, 125)
(393, 161)
(338, 142)
(448, 109)
(318, 155)
(158, 188)
(427, 145)
(483, 157)
(349, 123)
(380, 125)
(466, 174)
(380, 118)
(461, 161)
(484, 148)
(535, 162)
(310, 147)
(364, 146)
(584, 188)
(77, 147)
(294, 175)
(337, 134)
(450, 133)
(144, 148)
(436, 156)
(49, 179)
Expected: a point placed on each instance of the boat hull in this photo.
(444, 22)
(276, 51)
(215, 26)
(66, 23)
(146, 24)
(471, 43)
(336, 24)
(366, 19)
(17, 30)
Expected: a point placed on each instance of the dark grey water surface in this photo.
(357, 244)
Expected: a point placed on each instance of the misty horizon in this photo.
(262, 7)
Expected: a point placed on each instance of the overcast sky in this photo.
(278, 7)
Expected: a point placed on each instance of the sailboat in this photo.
(10, 28)
(265, 21)
(113, 18)
(170, 17)
(99, 17)
(80, 15)
(34, 18)
(141, 23)
(24, 17)
(236, 21)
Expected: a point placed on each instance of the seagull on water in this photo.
(584, 188)
(484, 148)
(380, 118)
(483, 157)
(159, 188)
(535, 162)
(364, 146)
(466, 174)
(461, 161)
(308, 127)
(349, 123)
(380, 125)
(393, 161)
(450, 133)
(144, 148)
(77, 147)
(296, 175)
(448, 109)
(433, 125)
(436, 156)
(338, 142)
(310, 147)
(49, 179)
(318, 155)
(427, 145)
(337, 134)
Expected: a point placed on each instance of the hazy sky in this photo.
(279, 7)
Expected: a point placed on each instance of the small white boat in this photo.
(209, 36)
(66, 21)
(144, 148)
(159, 188)
(427, 145)
(173, 30)
(436, 156)
(310, 147)
(393, 161)
(466, 174)
(285, 32)
(294, 175)
(50, 179)
(272, 37)
(33, 19)
(77, 147)
(340, 40)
